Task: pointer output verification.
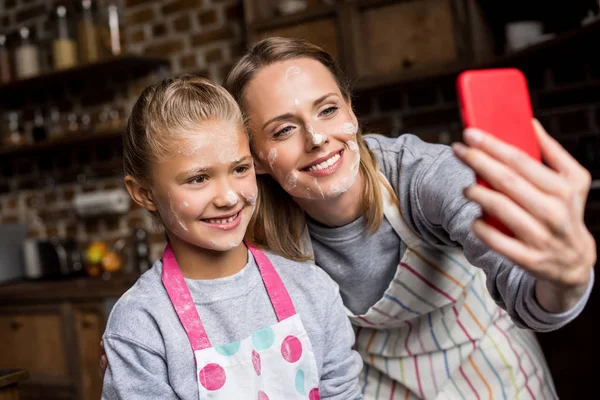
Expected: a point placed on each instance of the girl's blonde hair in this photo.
(278, 221)
(172, 108)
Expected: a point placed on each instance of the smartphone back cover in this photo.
(497, 101)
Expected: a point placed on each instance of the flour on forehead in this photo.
(223, 143)
(291, 71)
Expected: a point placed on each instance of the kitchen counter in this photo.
(81, 289)
(9, 380)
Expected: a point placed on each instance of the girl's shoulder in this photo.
(140, 306)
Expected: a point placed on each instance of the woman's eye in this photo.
(198, 179)
(283, 132)
(329, 111)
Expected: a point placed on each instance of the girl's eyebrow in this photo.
(286, 116)
(194, 171)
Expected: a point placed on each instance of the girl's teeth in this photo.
(222, 221)
(325, 164)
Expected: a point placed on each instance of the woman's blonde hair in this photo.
(172, 108)
(278, 221)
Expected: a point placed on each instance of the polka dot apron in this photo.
(276, 362)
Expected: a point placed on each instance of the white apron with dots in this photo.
(274, 363)
(438, 334)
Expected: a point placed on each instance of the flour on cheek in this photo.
(346, 182)
(349, 128)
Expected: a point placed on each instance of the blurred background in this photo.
(71, 242)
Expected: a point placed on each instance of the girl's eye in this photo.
(282, 132)
(241, 169)
(198, 179)
(329, 111)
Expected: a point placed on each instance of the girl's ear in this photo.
(141, 194)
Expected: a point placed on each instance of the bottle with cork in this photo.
(64, 48)
(27, 59)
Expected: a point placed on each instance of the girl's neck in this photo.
(202, 264)
(339, 211)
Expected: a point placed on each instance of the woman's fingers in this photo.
(576, 175)
(535, 172)
(512, 248)
(524, 226)
(544, 207)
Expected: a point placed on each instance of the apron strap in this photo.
(280, 298)
(182, 301)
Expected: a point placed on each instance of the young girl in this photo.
(216, 318)
(435, 294)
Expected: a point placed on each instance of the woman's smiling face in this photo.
(304, 131)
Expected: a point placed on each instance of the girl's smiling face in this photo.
(304, 131)
(205, 190)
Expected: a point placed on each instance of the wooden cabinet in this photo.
(381, 42)
(52, 330)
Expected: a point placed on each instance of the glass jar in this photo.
(87, 33)
(27, 59)
(64, 48)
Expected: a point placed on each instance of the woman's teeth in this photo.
(222, 221)
(326, 163)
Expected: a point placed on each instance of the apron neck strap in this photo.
(182, 301)
(280, 298)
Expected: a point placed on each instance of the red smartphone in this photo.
(497, 101)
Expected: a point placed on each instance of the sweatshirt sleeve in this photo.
(342, 364)
(429, 182)
(134, 371)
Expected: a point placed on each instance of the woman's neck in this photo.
(202, 264)
(339, 211)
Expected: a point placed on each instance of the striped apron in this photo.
(438, 334)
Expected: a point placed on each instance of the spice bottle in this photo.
(27, 60)
(64, 48)
(87, 34)
(5, 74)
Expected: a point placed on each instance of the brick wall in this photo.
(197, 36)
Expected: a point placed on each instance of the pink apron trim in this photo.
(183, 303)
(280, 298)
(181, 299)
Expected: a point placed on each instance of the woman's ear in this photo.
(140, 193)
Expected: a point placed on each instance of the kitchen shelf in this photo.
(86, 288)
(105, 68)
(538, 52)
(68, 140)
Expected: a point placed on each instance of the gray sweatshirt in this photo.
(150, 355)
(429, 182)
